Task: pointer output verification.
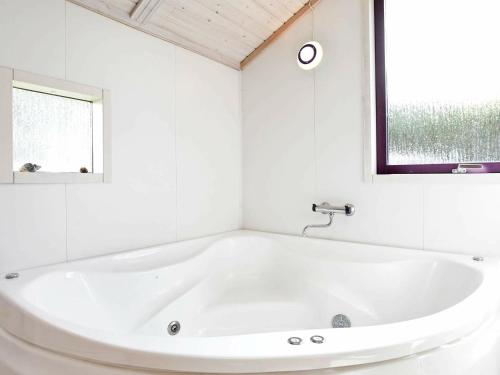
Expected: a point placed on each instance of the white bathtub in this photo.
(239, 297)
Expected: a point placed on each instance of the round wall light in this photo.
(310, 55)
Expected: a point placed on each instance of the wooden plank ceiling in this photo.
(227, 31)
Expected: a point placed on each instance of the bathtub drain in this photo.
(174, 327)
(341, 321)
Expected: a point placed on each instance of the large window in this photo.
(438, 86)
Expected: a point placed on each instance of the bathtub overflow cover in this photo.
(341, 321)
(295, 341)
(13, 275)
(174, 328)
(478, 259)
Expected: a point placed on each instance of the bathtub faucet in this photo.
(327, 209)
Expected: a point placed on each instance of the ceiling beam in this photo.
(144, 10)
(277, 33)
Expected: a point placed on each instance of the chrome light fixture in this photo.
(310, 55)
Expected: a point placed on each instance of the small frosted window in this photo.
(443, 81)
(52, 131)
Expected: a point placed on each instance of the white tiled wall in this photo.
(138, 208)
(32, 225)
(208, 146)
(176, 140)
(30, 41)
(462, 218)
(286, 168)
(177, 145)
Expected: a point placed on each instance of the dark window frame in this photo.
(381, 114)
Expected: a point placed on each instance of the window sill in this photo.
(57, 178)
(438, 179)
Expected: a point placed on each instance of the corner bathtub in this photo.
(239, 297)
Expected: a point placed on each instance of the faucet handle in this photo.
(349, 209)
(327, 208)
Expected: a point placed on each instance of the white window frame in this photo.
(100, 98)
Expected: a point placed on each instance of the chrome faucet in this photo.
(327, 209)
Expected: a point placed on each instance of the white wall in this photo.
(289, 163)
(177, 145)
(176, 140)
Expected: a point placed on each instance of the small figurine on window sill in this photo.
(30, 167)
(84, 170)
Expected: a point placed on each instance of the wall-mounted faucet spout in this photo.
(327, 209)
(304, 231)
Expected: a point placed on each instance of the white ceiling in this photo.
(223, 30)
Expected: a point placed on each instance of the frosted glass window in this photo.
(442, 88)
(52, 131)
